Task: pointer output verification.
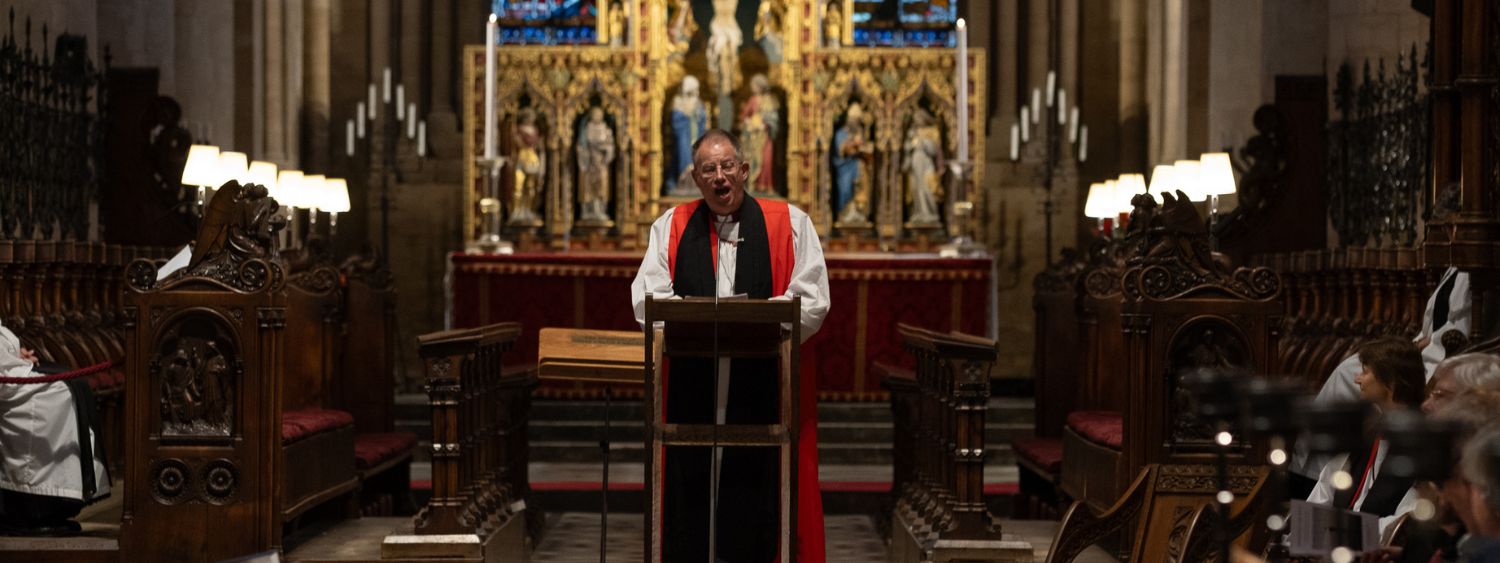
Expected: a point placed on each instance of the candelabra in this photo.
(405, 118)
(1052, 116)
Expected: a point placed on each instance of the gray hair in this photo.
(717, 133)
(1481, 465)
(1472, 371)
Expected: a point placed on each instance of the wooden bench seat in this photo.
(318, 449)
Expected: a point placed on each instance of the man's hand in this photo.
(28, 355)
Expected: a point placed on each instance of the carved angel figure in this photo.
(596, 151)
(922, 165)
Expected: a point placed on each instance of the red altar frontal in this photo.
(870, 293)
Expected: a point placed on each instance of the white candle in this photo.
(489, 88)
(1036, 105)
(372, 104)
(1062, 106)
(963, 91)
(1025, 124)
(1015, 141)
(422, 138)
(1051, 86)
(359, 119)
(411, 120)
(400, 102)
(349, 137)
(1073, 126)
(386, 90)
(1083, 144)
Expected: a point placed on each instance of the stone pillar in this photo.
(1132, 137)
(1169, 109)
(318, 129)
(1067, 63)
(275, 91)
(443, 139)
(293, 20)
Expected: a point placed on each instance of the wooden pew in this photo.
(1167, 514)
(1336, 299)
(366, 388)
(204, 347)
(479, 451)
(940, 514)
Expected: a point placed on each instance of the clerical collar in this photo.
(730, 218)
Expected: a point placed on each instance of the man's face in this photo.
(720, 176)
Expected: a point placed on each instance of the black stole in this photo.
(694, 274)
(1383, 496)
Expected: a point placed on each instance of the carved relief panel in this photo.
(197, 370)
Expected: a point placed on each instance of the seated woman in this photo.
(50, 462)
(1392, 378)
(1458, 375)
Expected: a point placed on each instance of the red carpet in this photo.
(827, 486)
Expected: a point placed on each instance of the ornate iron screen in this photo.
(1378, 153)
(51, 133)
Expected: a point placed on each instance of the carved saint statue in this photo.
(768, 32)
(922, 165)
(852, 156)
(616, 24)
(596, 151)
(682, 30)
(689, 121)
(530, 165)
(760, 120)
(833, 25)
(724, 42)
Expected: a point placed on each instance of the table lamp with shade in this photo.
(336, 201)
(1099, 206)
(1163, 181)
(1186, 172)
(1216, 178)
(310, 196)
(288, 184)
(262, 173)
(233, 166)
(202, 171)
(1130, 185)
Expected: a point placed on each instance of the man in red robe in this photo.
(725, 244)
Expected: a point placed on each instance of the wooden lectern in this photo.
(699, 327)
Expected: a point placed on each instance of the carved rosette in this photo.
(169, 481)
(218, 482)
(321, 279)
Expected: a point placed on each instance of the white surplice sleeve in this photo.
(654, 278)
(809, 273)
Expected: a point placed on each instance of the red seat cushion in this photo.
(376, 448)
(1045, 453)
(301, 423)
(1100, 427)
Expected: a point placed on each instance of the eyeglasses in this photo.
(710, 169)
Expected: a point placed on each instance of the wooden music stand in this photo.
(611, 357)
(722, 328)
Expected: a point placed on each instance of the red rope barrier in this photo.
(58, 376)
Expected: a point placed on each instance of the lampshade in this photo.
(1099, 205)
(263, 173)
(233, 166)
(1130, 186)
(1216, 175)
(337, 194)
(310, 191)
(1188, 180)
(288, 188)
(202, 167)
(1163, 180)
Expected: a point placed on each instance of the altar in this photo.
(869, 292)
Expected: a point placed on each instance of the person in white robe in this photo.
(43, 482)
(1448, 308)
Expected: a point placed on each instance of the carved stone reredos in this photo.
(1169, 257)
(235, 248)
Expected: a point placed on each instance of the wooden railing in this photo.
(944, 427)
(479, 414)
(1336, 299)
